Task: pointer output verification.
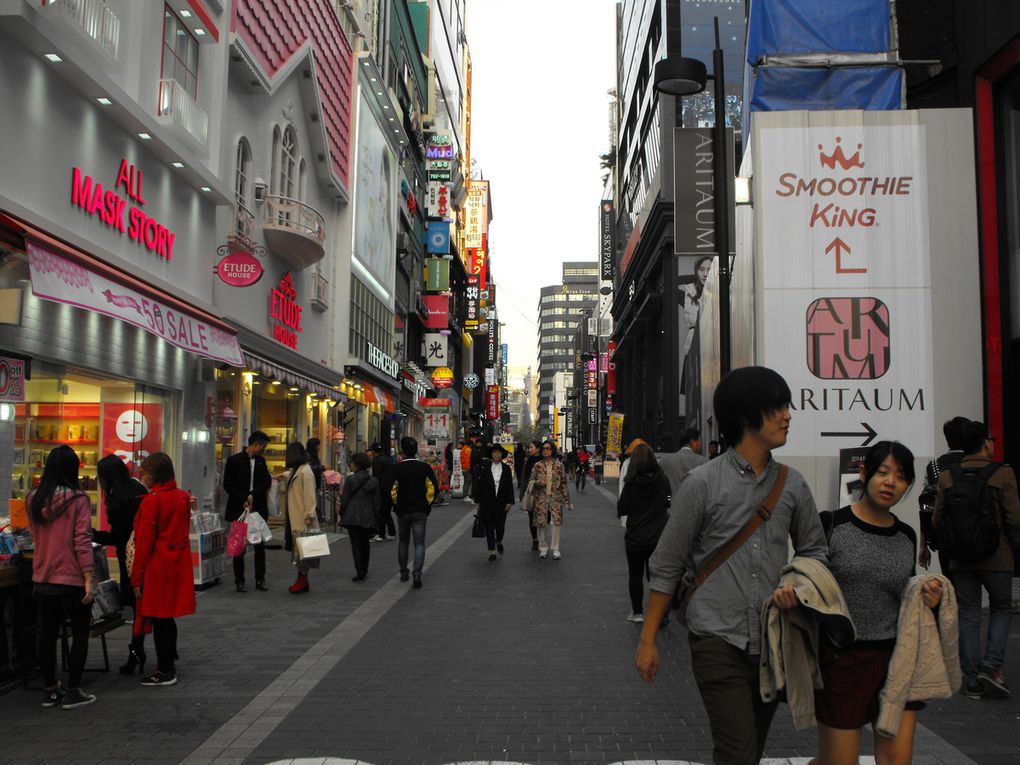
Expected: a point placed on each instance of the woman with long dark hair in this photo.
(645, 504)
(551, 499)
(297, 503)
(312, 447)
(534, 452)
(60, 515)
(122, 495)
(161, 573)
(360, 512)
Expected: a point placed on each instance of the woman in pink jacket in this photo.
(161, 574)
(61, 518)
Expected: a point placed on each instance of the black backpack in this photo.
(970, 528)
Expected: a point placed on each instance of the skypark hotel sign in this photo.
(845, 273)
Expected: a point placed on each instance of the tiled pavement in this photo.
(519, 660)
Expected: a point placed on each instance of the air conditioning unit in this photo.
(403, 242)
(320, 292)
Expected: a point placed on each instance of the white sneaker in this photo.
(556, 555)
(377, 538)
(636, 618)
(541, 555)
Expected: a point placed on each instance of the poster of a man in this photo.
(691, 289)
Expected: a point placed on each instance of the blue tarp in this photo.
(817, 26)
(790, 88)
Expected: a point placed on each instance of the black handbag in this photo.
(476, 528)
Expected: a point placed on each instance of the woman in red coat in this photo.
(161, 574)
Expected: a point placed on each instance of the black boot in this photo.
(136, 657)
(240, 585)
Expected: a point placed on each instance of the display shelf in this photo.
(65, 442)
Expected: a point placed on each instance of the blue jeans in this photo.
(968, 594)
(408, 524)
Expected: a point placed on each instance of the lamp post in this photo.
(679, 76)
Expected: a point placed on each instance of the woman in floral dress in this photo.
(551, 498)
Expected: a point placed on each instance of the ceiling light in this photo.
(145, 136)
(52, 57)
(199, 32)
(392, 119)
(104, 101)
(294, 389)
(185, 14)
(277, 382)
(178, 165)
(206, 189)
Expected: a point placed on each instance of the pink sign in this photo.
(239, 269)
(438, 307)
(12, 379)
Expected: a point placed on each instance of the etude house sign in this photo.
(122, 213)
(285, 313)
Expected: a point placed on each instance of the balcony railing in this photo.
(178, 107)
(294, 230)
(243, 227)
(95, 19)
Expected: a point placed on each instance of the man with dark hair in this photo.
(382, 472)
(982, 676)
(246, 481)
(953, 432)
(713, 449)
(716, 501)
(414, 488)
(677, 465)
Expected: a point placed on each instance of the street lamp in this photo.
(679, 76)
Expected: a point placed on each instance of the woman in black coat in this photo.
(534, 455)
(494, 493)
(645, 502)
(360, 512)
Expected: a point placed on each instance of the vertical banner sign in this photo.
(437, 275)
(491, 349)
(437, 308)
(504, 357)
(614, 439)
(607, 239)
(476, 265)
(492, 402)
(611, 370)
(476, 208)
(846, 280)
(471, 297)
(437, 237)
(435, 349)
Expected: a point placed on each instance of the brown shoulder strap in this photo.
(763, 514)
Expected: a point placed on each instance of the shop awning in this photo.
(64, 274)
(376, 395)
(289, 377)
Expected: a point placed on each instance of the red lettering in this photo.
(124, 176)
(150, 233)
(81, 188)
(170, 236)
(137, 220)
(161, 241)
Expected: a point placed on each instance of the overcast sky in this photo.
(540, 120)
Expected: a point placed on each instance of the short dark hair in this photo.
(258, 437)
(361, 461)
(159, 467)
(408, 446)
(953, 431)
(551, 445)
(876, 455)
(690, 435)
(745, 397)
(973, 436)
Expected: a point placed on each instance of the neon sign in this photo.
(284, 310)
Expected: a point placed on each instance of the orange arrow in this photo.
(841, 247)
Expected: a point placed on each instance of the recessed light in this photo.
(392, 119)
(145, 136)
(386, 107)
(199, 32)
(373, 79)
(178, 165)
(104, 100)
(52, 57)
(206, 189)
(185, 14)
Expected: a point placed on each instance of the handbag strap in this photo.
(761, 515)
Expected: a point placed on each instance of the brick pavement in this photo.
(519, 660)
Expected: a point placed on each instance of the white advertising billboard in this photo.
(375, 209)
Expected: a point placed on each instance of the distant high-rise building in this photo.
(561, 307)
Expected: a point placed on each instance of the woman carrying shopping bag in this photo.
(297, 504)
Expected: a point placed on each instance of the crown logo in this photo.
(838, 157)
(287, 286)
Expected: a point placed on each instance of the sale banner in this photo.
(132, 431)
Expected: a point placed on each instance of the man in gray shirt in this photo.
(752, 407)
(677, 465)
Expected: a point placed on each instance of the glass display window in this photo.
(227, 425)
(279, 411)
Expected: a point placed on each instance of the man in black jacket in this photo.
(246, 481)
(414, 488)
(382, 471)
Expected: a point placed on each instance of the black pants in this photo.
(729, 684)
(494, 532)
(127, 592)
(361, 547)
(580, 478)
(164, 635)
(637, 571)
(387, 528)
(531, 526)
(53, 609)
(260, 564)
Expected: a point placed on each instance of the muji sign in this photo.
(285, 313)
(845, 272)
(118, 212)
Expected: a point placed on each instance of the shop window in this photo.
(180, 53)
(245, 218)
(277, 412)
(285, 159)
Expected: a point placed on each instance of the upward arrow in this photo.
(842, 248)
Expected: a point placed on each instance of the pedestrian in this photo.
(494, 493)
(678, 464)
(645, 504)
(534, 455)
(713, 449)
(626, 463)
(551, 499)
(312, 447)
(871, 557)
(60, 516)
(121, 496)
(581, 474)
(414, 489)
(382, 471)
(247, 481)
(752, 407)
(297, 505)
(953, 432)
(598, 465)
(982, 675)
(520, 457)
(479, 456)
(465, 468)
(162, 575)
(360, 512)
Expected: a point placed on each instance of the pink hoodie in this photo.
(63, 546)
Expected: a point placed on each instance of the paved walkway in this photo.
(519, 660)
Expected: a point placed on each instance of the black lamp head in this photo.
(678, 76)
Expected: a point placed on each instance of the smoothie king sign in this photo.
(846, 281)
